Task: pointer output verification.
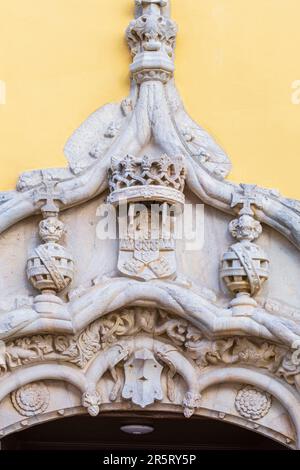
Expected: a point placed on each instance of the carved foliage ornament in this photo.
(103, 333)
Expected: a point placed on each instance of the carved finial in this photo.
(50, 267)
(245, 267)
(152, 7)
(151, 38)
(47, 193)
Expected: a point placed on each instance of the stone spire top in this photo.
(151, 37)
(152, 7)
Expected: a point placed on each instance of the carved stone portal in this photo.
(141, 320)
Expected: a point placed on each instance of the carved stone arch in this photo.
(287, 397)
(165, 320)
(39, 372)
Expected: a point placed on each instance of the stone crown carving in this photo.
(149, 177)
(151, 38)
(152, 33)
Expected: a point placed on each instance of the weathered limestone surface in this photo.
(145, 319)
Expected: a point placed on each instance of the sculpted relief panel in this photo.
(106, 305)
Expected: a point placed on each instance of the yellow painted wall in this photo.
(236, 63)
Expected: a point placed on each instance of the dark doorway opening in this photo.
(170, 432)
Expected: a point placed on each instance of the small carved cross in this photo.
(248, 198)
(48, 193)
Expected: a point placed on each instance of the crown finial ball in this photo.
(245, 268)
(60, 275)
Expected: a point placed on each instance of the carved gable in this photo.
(117, 281)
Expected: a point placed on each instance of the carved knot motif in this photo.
(252, 403)
(31, 400)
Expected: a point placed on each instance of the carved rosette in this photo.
(31, 400)
(252, 403)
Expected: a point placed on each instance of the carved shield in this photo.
(142, 379)
(147, 259)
